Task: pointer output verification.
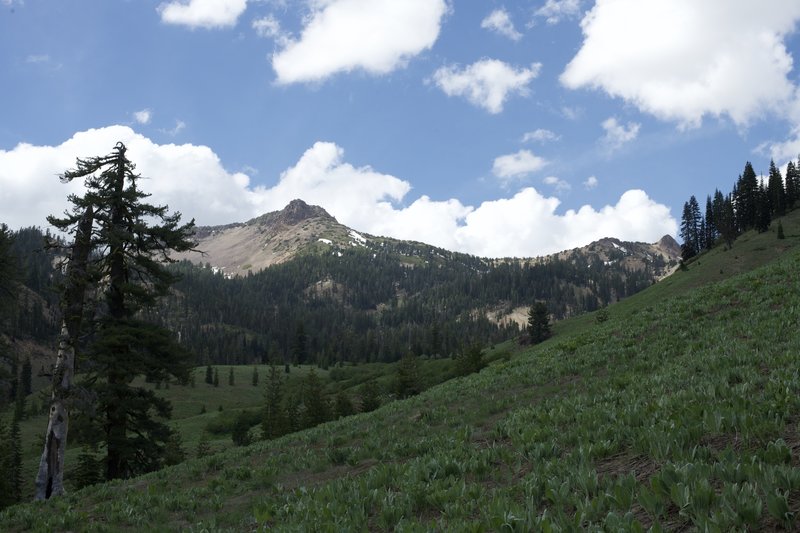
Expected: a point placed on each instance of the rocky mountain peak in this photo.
(296, 212)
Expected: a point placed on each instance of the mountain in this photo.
(677, 413)
(270, 239)
(299, 229)
(341, 295)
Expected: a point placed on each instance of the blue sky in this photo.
(495, 128)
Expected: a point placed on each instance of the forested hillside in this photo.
(365, 304)
(677, 411)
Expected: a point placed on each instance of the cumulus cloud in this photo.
(179, 127)
(557, 183)
(486, 83)
(206, 14)
(377, 36)
(270, 27)
(517, 165)
(591, 183)
(618, 134)
(554, 11)
(540, 135)
(143, 116)
(682, 60)
(499, 21)
(192, 179)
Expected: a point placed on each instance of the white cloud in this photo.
(37, 58)
(191, 179)
(269, 27)
(500, 22)
(591, 183)
(540, 135)
(558, 184)
(143, 116)
(206, 14)
(518, 165)
(682, 60)
(377, 36)
(179, 127)
(486, 83)
(618, 134)
(556, 10)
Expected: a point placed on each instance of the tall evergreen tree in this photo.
(538, 323)
(792, 184)
(763, 210)
(746, 198)
(407, 380)
(315, 406)
(273, 423)
(711, 232)
(776, 192)
(209, 375)
(231, 378)
(300, 345)
(255, 376)
(369, 396)
(131, 262)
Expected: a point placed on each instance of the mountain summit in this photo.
(266, 240)
(300, 228)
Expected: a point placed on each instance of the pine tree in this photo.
(9, 275)
(692, 230)
(763, 210)
(216, 377)
(343, 407)
(711, 232)
(727, 221)
(209, 375)
(407, 380)
(273, 423)
(15, 458)
(746, 198)
(203, 446)
(792, 184)
(369, 396)
(173, 450)
(315, 407)
(538, 323)
(299, 345)
(470, 360)
(131, 262)
(231, 379)
(780, 230)
(255, 376)
(89, 469)
(25, 377)
(776, 192)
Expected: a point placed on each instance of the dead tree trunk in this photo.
(50, 479)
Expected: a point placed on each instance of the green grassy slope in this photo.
(681, 411)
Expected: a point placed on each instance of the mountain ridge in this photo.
(299, 228)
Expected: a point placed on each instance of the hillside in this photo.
(360, 298)
(680, 410)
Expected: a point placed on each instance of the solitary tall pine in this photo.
(128, 270)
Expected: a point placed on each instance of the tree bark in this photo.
(50, 478)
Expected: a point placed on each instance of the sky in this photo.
(516, 128)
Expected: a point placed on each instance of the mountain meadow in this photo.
(675, 408)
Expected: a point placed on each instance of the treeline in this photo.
(752, 204)
(363, 305)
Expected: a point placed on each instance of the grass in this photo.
(679, 412)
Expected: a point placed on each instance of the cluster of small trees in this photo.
(752, 204)
(285, 412)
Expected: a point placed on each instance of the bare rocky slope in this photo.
(299, 228)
